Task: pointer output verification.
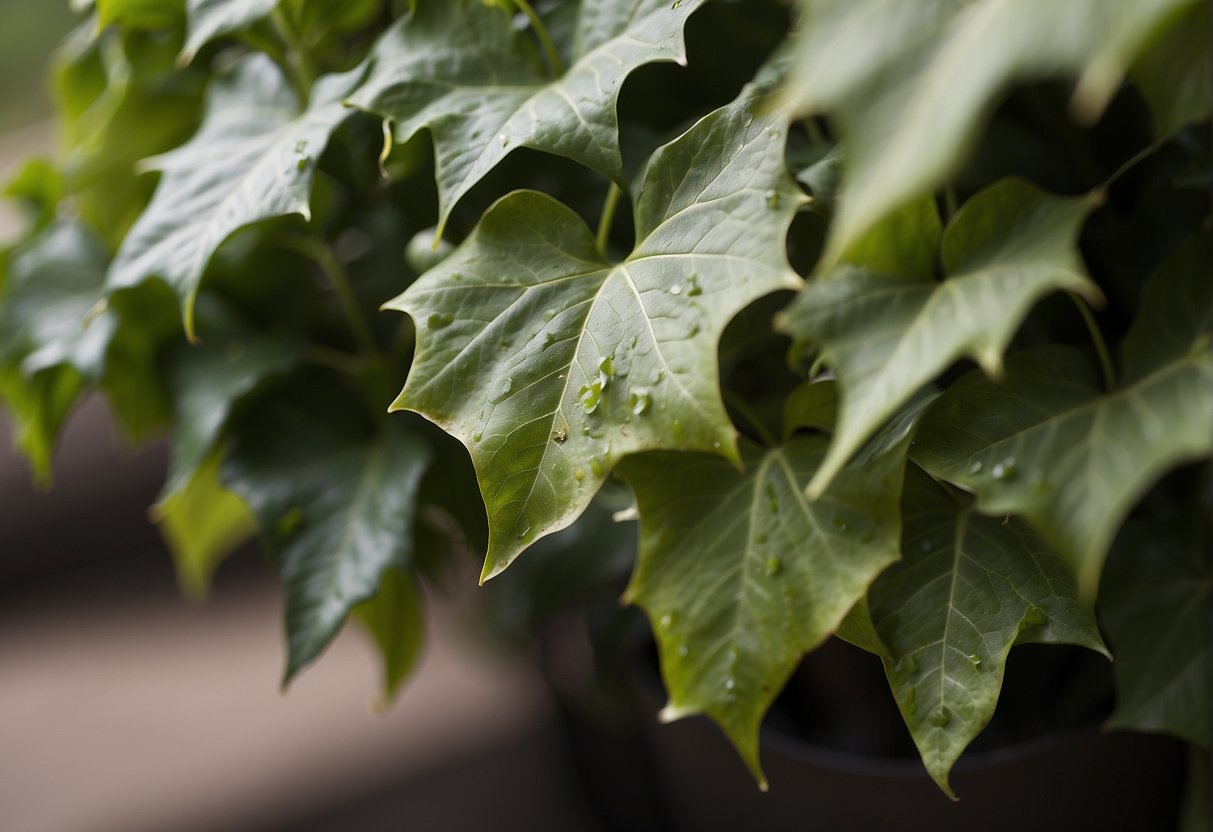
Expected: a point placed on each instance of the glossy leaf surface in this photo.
(551, 364)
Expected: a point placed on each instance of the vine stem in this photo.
(322, 256)
(608, 215)
(1101, 347)
(746, 412)
(545, 40)
(299, 64)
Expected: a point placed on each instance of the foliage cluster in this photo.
(828, 287)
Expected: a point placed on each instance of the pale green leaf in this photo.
(202, 523)
(967, 589)
(463, 71)
(741, 576)
(1157, 605)
(887, 333)
(395, 618)
(334, 498)
(1174, 74)
(1049, 445)
(911, 82)
(210, 19)
(551, 364)
(139, 14)
(53, 334)
(252, 159)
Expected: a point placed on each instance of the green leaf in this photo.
(887, 332)
(550, 363)
(911, 82)
(207, 381)
(334, 498)
(1173, 75)
(202, 523)
(252, 159)
(395, 618)
(139, 14)
(464, 72)
(1157, 602)
(741, 576)
(53, 334)
(210, 19)
(1046, 444)
(967, 589)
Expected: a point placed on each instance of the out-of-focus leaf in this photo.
(140, 14)
(395, 618)
(1174, 74)
(210, 19)
(1157, 605)
(334, 497)
(912, 81)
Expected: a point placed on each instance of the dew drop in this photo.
(975, 468)
(666, 621)
(1035, 616)
(940, 717)
(639, 400)
(683, 650)
(439, 320)
(302, 163)
(774, 566)
(525, 534)
(657, 376)
(589, 396)
(730, 683)
(548, 339)
(549, 314)
(500, 389)
(579, 474)
(504, 139)
(477, 436)
(606, 366)
(974, 661)
(906, 665)
(1005, 471)
(675, 290)
(596, 466)
(773, 198)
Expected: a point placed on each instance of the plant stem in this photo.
(1149, 150)
(322, 256)
(1101, 348)
(608, 215)
(545, 40)
(299, 64)
(743, 409)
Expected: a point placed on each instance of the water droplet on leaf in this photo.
(940, 717)
(439, 320)
(500, 389)
(1005, 471)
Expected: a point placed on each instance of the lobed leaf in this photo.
(551, 364)
(1048, 445)
(463, 71)
(967, 589)
(741, 576)
(252, 159)
(210, 19)
(887, 327)
(336, 514)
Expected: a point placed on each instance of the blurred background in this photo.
(123, 707)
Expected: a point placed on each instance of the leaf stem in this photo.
(743, 409)
(545, 40)
(608, 215)
(1129, 164)
(298, 63)
(1101, 347)
(320, 254)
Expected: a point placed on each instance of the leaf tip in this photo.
(672, 713)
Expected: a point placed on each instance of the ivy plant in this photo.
(893, 315)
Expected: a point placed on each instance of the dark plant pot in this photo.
(639, 774)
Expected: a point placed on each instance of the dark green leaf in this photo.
(888, 331)
(334, 498)
(1157, 605)
(967, 589)
(1174, 74)
(479, 85)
